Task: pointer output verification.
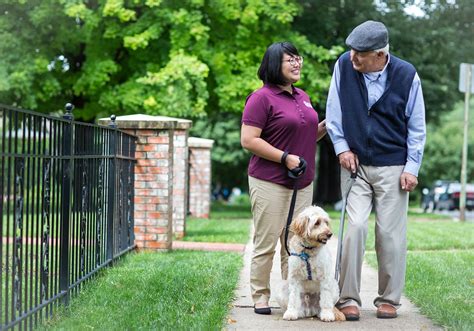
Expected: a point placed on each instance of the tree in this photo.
(435, 42)
(442, 34)
(195, 59)
(443, 149)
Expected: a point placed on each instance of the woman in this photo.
(279, 126)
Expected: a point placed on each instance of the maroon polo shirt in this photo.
(289, 123)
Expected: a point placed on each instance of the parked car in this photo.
(449, 200)
(430, 196)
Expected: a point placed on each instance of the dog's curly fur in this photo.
(300, 297)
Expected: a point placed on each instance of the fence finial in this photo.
(69, 108)
(112, 121)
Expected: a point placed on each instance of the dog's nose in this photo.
(329, 235)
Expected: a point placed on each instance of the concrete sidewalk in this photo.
(206, 246)
(242, 316)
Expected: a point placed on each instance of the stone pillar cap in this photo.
(142, 121)
(200, 142)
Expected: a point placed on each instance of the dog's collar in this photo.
(305, 257)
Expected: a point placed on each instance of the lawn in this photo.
(424, 233)
(225, 230)
(440, 269)
(440, 266)
(227, 224)
(441, 284)
(182, 290)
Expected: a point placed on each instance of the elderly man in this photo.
(376, 121)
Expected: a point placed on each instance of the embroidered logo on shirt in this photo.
(307, 104)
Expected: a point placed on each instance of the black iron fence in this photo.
(66, 205)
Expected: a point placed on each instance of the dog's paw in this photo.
(327, 315)
(290, 315)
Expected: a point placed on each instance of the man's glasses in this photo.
(295, 60)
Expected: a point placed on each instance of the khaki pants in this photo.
(379, 188)
(270, 207)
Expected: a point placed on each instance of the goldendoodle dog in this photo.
(311, 289)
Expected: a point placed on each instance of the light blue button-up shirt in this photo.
(375, 83)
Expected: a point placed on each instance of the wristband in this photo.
(283, 158)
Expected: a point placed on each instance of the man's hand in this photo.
(408, 181)
(349, 161)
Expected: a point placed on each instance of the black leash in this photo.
(305, 257)
(295, 174)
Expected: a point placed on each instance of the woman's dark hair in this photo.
(270, 68)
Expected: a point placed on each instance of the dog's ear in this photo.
(299, 225)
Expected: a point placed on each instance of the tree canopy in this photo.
(436, 40)
(443, 150)
(198, 59)
(185, 58)
(191, 58)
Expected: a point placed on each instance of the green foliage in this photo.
(187, 58)
(241, 200)
(443, 150)
(443, 35)
(193, 59)
(229, 159)
(198, 59)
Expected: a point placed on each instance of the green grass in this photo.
(423, 233)
(221, 210)
(177, 290)
(180, 290)
(440, 268)
(440, 235)
(227, 224)
(431, 235)
(218, 230)
(419, 215)
(442, 285)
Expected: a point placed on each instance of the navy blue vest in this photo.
(377, 135)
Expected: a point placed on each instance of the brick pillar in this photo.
(180, 181)
(154, 176)
(200, 176)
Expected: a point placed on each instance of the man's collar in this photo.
(386, 64)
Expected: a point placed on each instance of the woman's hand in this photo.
(292, 161)
(322, 130)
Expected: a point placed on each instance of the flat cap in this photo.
(368, 36)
